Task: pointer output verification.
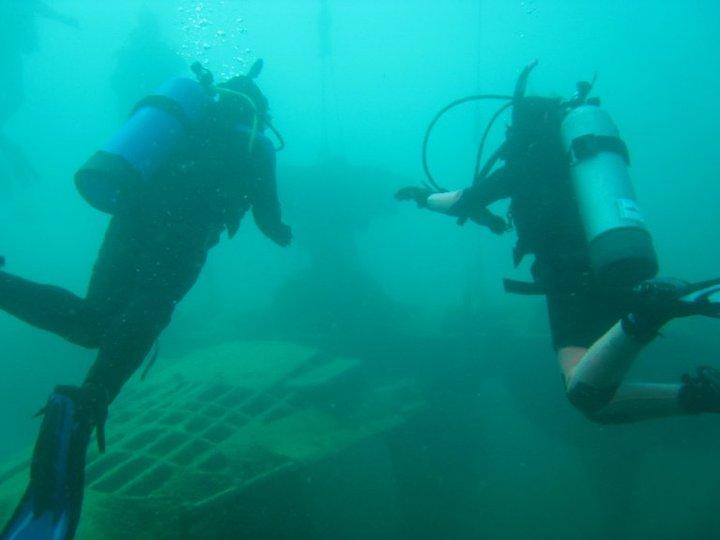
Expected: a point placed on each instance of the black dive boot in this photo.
(655, 302)
(50, 507)
(700, 393)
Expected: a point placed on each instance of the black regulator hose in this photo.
(278, 135)
(442, 112)
(477, 173)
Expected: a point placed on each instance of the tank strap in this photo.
(526, 288)
(587, 146)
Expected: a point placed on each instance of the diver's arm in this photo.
(494, 187)
(264, 196)
(470, 203)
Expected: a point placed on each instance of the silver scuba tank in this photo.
(620, 245)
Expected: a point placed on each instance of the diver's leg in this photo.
(114, 276)
(47, 307)
(595, 352)
(128, 340)
(57, 310)
(604, 399)
(606, 362)
(593, 377)
(593, 381)
(52, 502)
(166, 272)
(593, 348)
(633, 402)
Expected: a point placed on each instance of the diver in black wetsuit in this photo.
(17, 39)
(154, 249)
(597, 330)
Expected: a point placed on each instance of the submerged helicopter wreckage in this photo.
(222, 442)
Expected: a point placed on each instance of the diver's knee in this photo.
(86, 330)
(589, 399)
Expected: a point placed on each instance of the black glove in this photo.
(486, 218)
(469, 208)
(414, 193)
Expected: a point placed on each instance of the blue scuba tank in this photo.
(157, 127)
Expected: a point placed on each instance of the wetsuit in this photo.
(154, 249)
(536, 178)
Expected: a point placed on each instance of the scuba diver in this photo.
(564, 169)
(18, 38)
(187, 165)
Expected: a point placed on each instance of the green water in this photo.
(496, 451)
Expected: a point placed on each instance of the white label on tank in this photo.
(629, 210)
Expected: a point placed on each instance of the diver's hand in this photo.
(283, 235)
(414, 193)
(483, 216)
(486, 218)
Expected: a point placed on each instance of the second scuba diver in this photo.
(573, 207)
(187, 165)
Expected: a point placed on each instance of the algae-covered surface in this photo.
(206, 428)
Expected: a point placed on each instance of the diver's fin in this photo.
(26, 525)
(703, 298)
(50, 507)
(674, 298)
(653, 303)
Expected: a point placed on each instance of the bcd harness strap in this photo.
(587, 146)
(526, 288)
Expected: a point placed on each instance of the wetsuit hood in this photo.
(535, 129)
(535, 116)
(245, 85)
(245, 98)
